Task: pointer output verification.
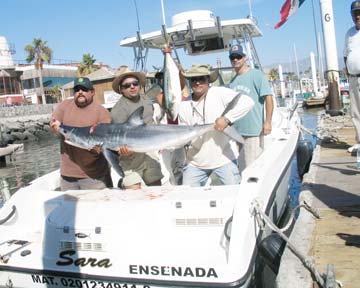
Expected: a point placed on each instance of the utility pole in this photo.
(332, 71)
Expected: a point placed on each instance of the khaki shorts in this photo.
(146, 173)
(251, 150)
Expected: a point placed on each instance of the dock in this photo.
(314, 102)
(332, 187)
(8, 150)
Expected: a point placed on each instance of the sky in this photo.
(75, 27)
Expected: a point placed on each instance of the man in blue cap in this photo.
(255, 124)
(352, 63)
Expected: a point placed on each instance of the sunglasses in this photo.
(198, 79)
(237, 57)
(128, 85)
(77, 89)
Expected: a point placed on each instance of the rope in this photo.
(305, 205)
(307, 262)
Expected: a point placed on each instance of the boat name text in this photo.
(93, 262)
(173, 271)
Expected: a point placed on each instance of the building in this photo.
(102, 81)
(10, 83)
(20, 83)
(54, 76)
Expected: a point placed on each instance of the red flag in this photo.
(288, 8)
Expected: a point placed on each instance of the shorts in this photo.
(146, 173)
(72, 183)
(250, 151)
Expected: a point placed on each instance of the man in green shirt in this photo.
(255, 124)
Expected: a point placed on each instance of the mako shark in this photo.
(136, 136)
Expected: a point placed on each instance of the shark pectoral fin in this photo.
(113, 158)
(234, 134)
(76, 145)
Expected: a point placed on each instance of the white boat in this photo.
(168, 236)
(165, 236)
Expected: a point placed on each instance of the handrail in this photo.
(292, 109)
(2, 221)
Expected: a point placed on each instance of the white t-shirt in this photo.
(214, 149)
(352, 50)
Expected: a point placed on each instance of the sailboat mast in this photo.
(297, 69)
(317, 41)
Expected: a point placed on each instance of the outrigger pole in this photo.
(140, 59)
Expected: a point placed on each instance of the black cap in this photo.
(355, 6)
(83, 82)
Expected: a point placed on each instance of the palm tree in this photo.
(273, 74)
(87, 65)
(57, 92)
(39, 52)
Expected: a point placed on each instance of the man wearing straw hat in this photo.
(214, 152)
(139, 168)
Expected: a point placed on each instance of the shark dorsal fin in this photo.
(136, 118)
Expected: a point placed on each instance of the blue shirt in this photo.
(254, 84)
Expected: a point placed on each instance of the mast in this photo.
(313, 74)
(282, 83)
(332, 71)
(297, 69)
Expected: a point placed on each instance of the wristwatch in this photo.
(227, 121)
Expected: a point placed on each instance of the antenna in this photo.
(163, 12)
(137, 15)
(250, 10)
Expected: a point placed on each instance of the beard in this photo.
(83, 104)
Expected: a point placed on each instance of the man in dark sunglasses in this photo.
(80, 168)
(139, 168)
(214, 153)
(256, 123)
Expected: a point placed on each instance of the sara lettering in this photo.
(67, 260)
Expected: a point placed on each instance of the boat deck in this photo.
(332, 187)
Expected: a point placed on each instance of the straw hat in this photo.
(201, 70)
(125, 72)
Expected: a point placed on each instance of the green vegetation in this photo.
(39, 52)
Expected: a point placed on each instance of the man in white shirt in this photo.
(352, 63)
(214, 152)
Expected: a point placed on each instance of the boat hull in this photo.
(168, 236)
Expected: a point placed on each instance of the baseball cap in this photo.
(238, 50)
(355, 6)
(83, 82)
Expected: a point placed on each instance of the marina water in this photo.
(43, 156)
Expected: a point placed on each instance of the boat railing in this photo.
(4, 192)
(11, 214)
(292, 109)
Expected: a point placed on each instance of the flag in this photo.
(288, 8)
